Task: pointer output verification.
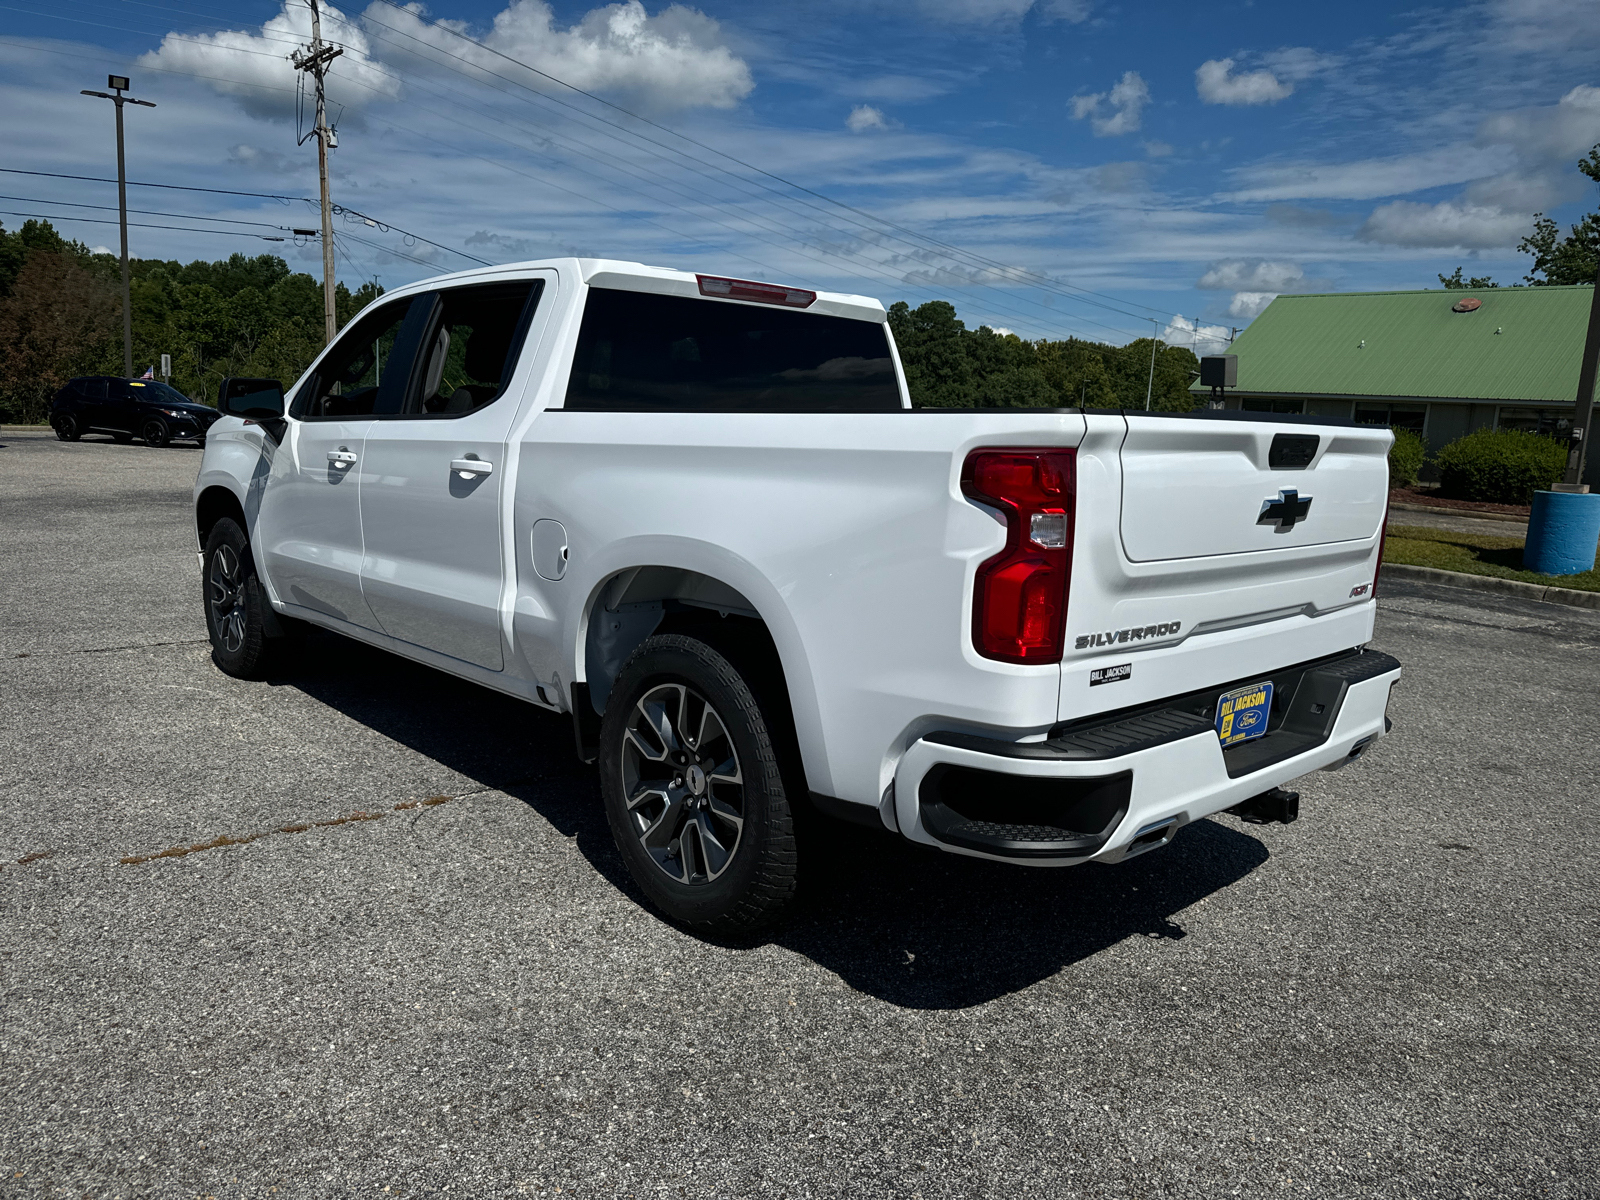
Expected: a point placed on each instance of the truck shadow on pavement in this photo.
(907, 924)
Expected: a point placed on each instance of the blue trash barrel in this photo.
(1562, 533)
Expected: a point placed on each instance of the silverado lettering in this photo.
(1138, 633)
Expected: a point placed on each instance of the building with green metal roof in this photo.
(1416, 360)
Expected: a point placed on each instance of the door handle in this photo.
(471, 466)
(341, 458)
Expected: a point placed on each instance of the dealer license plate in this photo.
(1242, 713)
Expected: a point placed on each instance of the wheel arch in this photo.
(745, 623)
(211, 505)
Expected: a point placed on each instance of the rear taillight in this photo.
(1019, 601)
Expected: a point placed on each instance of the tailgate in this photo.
(1210, 549)
(1192, 488)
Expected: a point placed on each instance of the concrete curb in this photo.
(1571, 597)
(1458, 512)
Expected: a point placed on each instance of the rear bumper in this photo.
(1110, 788)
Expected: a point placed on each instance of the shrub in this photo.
(1406, 457)
(1501, 466)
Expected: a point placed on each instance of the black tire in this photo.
(67, 428)
(155, 432)
(709, 837)
(235, 604)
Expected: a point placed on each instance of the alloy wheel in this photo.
(225, 581)
(685, 792)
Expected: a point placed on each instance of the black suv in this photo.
(126, 408)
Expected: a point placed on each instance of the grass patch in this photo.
(1473, 554)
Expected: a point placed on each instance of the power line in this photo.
(856, 263)
(898, 281)
(139, 225)
(148, 212)
(945, 246)
(338, 209)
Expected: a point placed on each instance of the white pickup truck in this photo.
(701, 516)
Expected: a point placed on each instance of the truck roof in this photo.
(640, 277)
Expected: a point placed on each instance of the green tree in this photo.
(1457, 283)
(939, 372)
(60, 316)
(56, 319)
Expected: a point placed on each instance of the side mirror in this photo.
(252, 399)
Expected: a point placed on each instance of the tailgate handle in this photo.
(1293, 451)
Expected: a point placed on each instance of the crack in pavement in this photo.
(296, 827)
(110, 649)
(28, 858)
(225, 839)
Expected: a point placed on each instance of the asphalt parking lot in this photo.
(406, 961)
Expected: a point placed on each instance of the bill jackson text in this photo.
(1139, 633)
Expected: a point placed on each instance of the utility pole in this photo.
(1151, 382)
(1572, 481)
(314, 59)
(119, 84)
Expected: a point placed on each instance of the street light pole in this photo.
(119, 84)
(1572, 480)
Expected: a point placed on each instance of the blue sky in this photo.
(1053, 167)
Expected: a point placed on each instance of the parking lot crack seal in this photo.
(28, 858)
(110, 649)
(294, 827)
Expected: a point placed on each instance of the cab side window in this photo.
(362, 362)
(470, 347)
(91, 389)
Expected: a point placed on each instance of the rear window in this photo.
(639, 352)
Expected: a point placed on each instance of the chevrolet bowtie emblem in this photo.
(1288, 510)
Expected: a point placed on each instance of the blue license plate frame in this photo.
(1242, 713)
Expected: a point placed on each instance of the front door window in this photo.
(362, 365)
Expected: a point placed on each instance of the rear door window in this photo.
(639, 352)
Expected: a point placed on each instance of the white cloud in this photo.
(1371, 178)
(1157, 149)
(1249, 305)
(674, 60)
(864, 117)
(1126, 101)
(1450, 224)
(1253, 275)
(1073, 12)
(1298, 63)
(1216, 83)
(1567, 128)
(997, 12)
(255, 67)
(1546, 26)
(1202, 339)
